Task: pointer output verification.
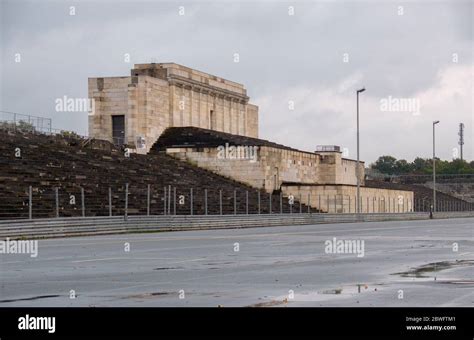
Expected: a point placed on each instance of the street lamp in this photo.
(358, 162)
(434, 167)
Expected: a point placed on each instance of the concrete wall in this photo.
(342, 198)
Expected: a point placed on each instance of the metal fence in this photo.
(28, 123)
(25, 122)
(126, 200)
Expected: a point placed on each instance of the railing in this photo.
(34, 124)
(25, 122)
(61, 227)
(75, 201)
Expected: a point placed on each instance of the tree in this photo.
(421, 165)
(402, 167)
(385, 164)
(391, 166)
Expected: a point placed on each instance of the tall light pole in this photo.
(461, 138)
(358, 162)
(434, 166)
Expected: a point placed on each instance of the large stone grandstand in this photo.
(47, 162)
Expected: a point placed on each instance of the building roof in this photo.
(194, 137)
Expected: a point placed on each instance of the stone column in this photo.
(191, 114)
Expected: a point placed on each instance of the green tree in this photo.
(385, 164)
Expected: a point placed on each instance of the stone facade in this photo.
(136, 110)
(272, 166)
(342, 198)
(157, 96)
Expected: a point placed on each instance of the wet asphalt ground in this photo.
(404, 263)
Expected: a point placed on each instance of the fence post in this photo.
(56, 190)
(148, 200)
(301, 201)
(349, 198)
(281, 202)
(126, 201)
(309, 203)
(191, 201)
(235, 202)
(30, 203)
(335, 204)
(327, 203)
(164, 200)
(174, 201)
(246, 202)
(258, 198)
(169, 199)
(270, 194)
(205, 201)
(83, 205)
(110, 201)
(220, 201)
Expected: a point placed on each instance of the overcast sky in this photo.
(315, 58)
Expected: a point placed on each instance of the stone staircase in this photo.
(70, 164)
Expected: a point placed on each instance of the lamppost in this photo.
(434, 166)
(358, 162)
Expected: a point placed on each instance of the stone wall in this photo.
(252, 121)
(110, 97)
(335, 169)
(288, 166)
(242, 170)
(195, 107)
(342, 198)
(273, 166)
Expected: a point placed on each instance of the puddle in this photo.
(147, 295)
(166, 268)
(424, 270)
(332, 291)
(270, 303)
(30, 298)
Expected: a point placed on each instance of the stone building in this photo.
(208, 121)
(136, 109)
(322, 179)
